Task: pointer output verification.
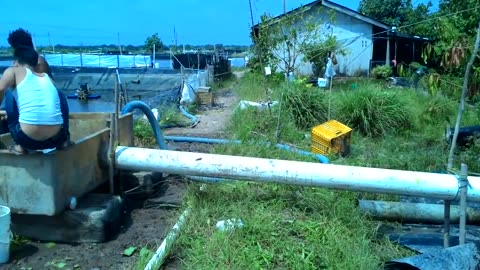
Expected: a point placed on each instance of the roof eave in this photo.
(354, 14)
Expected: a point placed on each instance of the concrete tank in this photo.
(42, 184)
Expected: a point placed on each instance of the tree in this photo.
(398, 13)
(151, 41)
(317, 53)
(453, 32)
(281, 41)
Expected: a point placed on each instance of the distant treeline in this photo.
(132, 49)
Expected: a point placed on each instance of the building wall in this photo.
(354, 35)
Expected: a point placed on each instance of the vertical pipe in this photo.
(463, 203)
(446, 225)
(153, 60)
(114, 128)
(117, 110)
(387, 53)
(111, 155)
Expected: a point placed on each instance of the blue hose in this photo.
(136, 104)
(194, 119)
(321, 158)
(161, 140)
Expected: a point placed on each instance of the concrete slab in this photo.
(96, 219)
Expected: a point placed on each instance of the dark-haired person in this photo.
(23, 38)
(38, 118)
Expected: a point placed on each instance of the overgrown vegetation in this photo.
(311, 228)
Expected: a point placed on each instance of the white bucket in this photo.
(5, 234)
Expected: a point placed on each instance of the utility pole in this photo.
(284, 6)
(251, 12)
(50, 43)
(175, 36)
(118, 40)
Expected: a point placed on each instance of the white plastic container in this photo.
(5, 234)
(322, 83)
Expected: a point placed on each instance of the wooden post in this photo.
(446, 225)
(413, 51)
(463, 203)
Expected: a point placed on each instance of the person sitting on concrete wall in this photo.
(22, 38)
(38, 118)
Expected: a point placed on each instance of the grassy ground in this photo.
(291, 227)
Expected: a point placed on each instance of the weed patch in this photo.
(295, 227)
(374, 112)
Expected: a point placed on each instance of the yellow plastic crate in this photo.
(331, 137)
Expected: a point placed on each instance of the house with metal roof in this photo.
(367, 42)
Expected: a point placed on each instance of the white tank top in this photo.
(37, 100)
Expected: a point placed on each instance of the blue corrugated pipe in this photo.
(163, 145)
(192, 117)
(321, 158)
(136, 104)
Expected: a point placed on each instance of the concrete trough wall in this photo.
(42, 184)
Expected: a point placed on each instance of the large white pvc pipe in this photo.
(361, 179)
(416, 212)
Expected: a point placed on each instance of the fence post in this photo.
(446, 225)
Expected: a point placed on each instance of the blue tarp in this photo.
(93, 60)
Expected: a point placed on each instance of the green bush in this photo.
(374, 113)
(382, 72)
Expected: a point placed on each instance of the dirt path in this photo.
(212, 119)
(145, 221)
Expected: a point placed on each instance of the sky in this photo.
(127, 22)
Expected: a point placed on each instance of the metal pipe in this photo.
(427, 213)
(446, 225)
(162, 252)
(361, 179)
(111, 155)
(463, 203)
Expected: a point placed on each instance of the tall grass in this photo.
(306, 106)
(374, 112)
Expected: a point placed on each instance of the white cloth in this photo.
(330, 70)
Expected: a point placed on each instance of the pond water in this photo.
(106, 103)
